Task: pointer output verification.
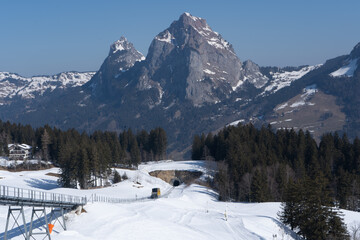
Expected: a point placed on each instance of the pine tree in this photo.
(291, 207)
(134, 152)
(196, 148)
(45, 141)
(83, 168)
(259, 188)
(337, 228)
(117, 177)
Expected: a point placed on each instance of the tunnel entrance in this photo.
(175, 182)
(176, 177)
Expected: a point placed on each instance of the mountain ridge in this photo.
(190, 82)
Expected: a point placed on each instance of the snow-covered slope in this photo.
(283, 79)
(12, 84)
(347, 70)
(191, 212)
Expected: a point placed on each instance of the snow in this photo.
(167, 37)
(219, 43)
(175, 165)
(23, 146)
(308, 92)
(212, 38)
(192, 17)
(347, 70)
(298, 104)
(282, 106)
(30, 87)
(119, 45)
(235, 123)
(239, 83)
(188, 212)
(209, 71)
(285, 78)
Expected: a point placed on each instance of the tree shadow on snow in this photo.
(44, 184)
(205, 190)
(283, 227)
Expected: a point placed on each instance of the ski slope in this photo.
(188, 212)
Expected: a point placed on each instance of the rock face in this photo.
(186, 62)
(253, 74)
(190, 61)
(191, 57)
(122, 56)
(355, 53)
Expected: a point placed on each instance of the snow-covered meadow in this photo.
(188, 212)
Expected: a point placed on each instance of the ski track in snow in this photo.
(188, 212)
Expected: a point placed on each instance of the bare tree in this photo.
(355, 231)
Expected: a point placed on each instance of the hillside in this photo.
(188, 212)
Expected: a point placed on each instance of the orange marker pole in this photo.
(51, 226)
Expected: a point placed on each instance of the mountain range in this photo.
(190, 82)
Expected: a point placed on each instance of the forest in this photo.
(312, 180)
(85, 160)
(256, 165)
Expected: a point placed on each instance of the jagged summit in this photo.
(193, 26)
(120, 45)
(201, 63)
(188, 19)
(355, 53)
(122, 56)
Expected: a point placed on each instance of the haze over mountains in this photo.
(190, 82)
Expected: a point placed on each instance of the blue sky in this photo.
(47, 37)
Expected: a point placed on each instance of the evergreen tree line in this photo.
(311, 180)
(256, 165)
(85, 159)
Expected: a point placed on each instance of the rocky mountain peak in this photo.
(120, 45)
(253, 75)
(191, 56)
(355, 53)
(124, 53)
(188, 19)
(122, 56)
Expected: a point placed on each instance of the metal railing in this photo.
(105, 199)
(27, 197)
(99, 198)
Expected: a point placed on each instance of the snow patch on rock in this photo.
(285, 78)
(347, 70)
(207, 71)
(12, 85)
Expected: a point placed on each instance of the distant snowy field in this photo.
(191, 212)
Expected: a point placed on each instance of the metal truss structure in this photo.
(18, 198)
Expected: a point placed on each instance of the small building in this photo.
(19, 151)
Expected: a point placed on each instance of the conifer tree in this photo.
(259, 187)
(45, 141)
